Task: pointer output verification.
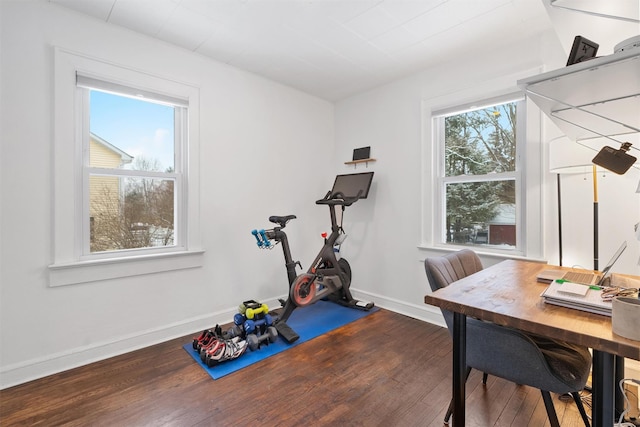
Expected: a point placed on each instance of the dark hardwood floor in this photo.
(383, 370)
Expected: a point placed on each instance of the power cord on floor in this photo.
(626, 403)
(587, 401)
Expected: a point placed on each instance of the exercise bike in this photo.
(329, 276)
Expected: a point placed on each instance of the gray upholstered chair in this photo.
(548, 365)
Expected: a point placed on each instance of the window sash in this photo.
(84, 86)
(502, 176)
(438, 121)
(481, 105)
(87, 82)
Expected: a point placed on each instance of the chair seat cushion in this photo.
(569, 362)
(528, 359)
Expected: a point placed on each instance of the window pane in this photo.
(128, 133)
(127, 213)
(482, 141)
(481, 213)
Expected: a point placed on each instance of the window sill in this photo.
(73, 273)
(482, 252)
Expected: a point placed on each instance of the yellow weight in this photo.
(251, 313)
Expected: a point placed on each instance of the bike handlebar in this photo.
(338, 198)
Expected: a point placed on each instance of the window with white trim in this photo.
(479, 176)
(133, 172)
(125, 200)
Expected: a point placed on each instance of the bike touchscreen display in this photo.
(350, 184)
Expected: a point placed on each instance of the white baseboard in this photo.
(632, 369)
(32, 369)
(422, 312)
(39, 367)
(36, 368)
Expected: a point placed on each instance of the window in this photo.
(126, 172)
(133, 179)
(479, 175)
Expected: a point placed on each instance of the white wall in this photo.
(265, 149)
(389, 268)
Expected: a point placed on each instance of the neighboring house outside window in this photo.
(502, 227)
(104, 155)
(105, 192)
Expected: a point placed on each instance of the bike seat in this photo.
(281, 220)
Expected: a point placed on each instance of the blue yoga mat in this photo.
(309, 322)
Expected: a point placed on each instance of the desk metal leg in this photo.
(618, 393)
(459, 367)
(603, 389)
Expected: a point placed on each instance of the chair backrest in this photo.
(444, 270)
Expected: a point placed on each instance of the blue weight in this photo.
(255, 234)
(265, 240)
(268, 319)
(239, 319)
(249, 327)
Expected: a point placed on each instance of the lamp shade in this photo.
(567, 156)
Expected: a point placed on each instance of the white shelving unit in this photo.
(592, 99)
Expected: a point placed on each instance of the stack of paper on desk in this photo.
(579, 297)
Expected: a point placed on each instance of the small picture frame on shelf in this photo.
(582, 50)
(361, 153)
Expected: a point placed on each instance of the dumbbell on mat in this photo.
(239, 319)
(250, 313)
(254, 341)
(234, 331)
(250, 326)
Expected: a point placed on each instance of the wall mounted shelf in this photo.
(355, 163)
(591, 99)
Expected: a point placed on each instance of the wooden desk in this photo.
(508, 294)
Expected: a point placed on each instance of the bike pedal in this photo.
(286, 332)
(364, 305)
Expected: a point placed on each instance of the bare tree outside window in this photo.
(479, 176)
(132, 179)
(141, 216)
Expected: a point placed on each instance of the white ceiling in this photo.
(328, 48)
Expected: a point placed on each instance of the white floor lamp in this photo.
(569, 157)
